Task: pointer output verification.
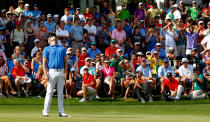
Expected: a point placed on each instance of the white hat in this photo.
(175, 6)
(73, 69)
(49, 15)
(84, 48)
(168, 17)
(3, 10)
(181, 1)
(69, 49)
(136, 43)
(118, 50)
(158, 44)
(85, 67)
(200, 22)
(55, 16)
(27, 5)
(193, 2)
(36, 40)
(184, 60)
(87, 59)
(107, 61)
(68, 52)
(140, 53)
(140, 3)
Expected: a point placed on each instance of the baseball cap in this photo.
(49, 15)
(209, 23)
(140, 53)
(138, 71)
(200, 22)
(118, 50)
(69, 49)
(181, 1)
(155, 52)
(93, 43)
(171, 49)
(27, 5)
(148, 52)
(112, 41)
(78, 9)
(184, 60)
(73, 69)
(165, 60)
(208, 62)
(3, 10)
(84, 48)
(140, 3)
(175, 6)
(85, 67)
(36, 40)
(87, 59)
(193, 2)
(158, 44)
(136, 43)
(107, 61)
(70, 18)
(167, 17)
(114, 55)
(35, 5)
(194, 49)
(18, 23)
(55, 16)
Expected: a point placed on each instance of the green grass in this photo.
(105, 110)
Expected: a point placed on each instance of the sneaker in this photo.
(26, 94)
(143, 101)
(18, 94)
(92, 97)
(83, 100)
(150, 99)
(1, 95)
(45, 114)
(97, 96)
(62, 115)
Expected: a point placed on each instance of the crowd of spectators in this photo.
(141, 54)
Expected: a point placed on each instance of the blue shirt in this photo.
(74, 58)
(111, 28)
(162, 71)
(68, 27)
(142, 31)
(55, 55)
(91, 70)
(77, 31)
(92, 53)
(146, 72)
(27, 13)
(152, 43)
(128, 30)
(36, 13)
(162, 53)
(50, 26)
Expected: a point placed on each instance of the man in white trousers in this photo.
(55, 69)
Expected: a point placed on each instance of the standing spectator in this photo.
(91, 30)
(18, 73)
(151, 38)
(96, 15)
(81, 16)
(191, 39)
(128, 30)
(170, 15)
(28, 13)
(180, 43)
(61, 33)
(3, 40)
(140, 13)
(183, 10)
(36, 47)
(111, 49)
(82, 58)
(49, 24)
(76, 33)
(93, 51)
(207, 31)
(123, 13)
(3, 18)
(206, 43)
(88, 14)
(31, 36)
(152, 12)
(177, 13)
(41, 34)
(200, 31)
(161, 52)
(20, 7)
(194, 12)
(66, 15)
(36, 12)
(120, 36)
(104, 37)
(112, 17)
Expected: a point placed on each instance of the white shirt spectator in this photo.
(81, 17)
(91, 29)
(33, 51)
(186, 71)
(170, 40)
(60, 32)
(177, 14)
(206, 42)
(64, 18)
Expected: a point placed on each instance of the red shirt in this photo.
(110, 51)
(172, 85)
(18, 71)
(81, 61)
(88, 79)
(88, 15)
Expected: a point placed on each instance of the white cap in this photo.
(118, 50)
(36, 40)
(184, 60)
(3, 10)
(158, 44)
(73, 69)
(140, 3)
(193, 2)
(87, 59)
(136, 43)
(49, 15)
(140, 53)
(200, 22)
(175, 6)
(68, 52)
(27, 5)
(55, 16)
(85, 67)
(168, 17)
(69, 49)
(84, 48)
(181, 1)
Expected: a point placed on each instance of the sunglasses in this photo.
(97, 57)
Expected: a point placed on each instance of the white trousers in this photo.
(55, 77)
(198, 94)
(179, 92)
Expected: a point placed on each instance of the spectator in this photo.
(183, 10)
(128, 30)
(151, 38)
(88, 86)
(155, 63)
(40, 76)
(206, 43)
(93, 51)
(194, 12)
(120, 36)
(36, 12)
(64, 18)
(198, 83)
(36, 47)
(42, 34)
(191, 39)
(180, 43)
(207, 31)
(69, 84)
(123, 13)
(152, 12)
(61, 33)
(193, 58)
(88, 14)
(17, 54)
(161, 52)
(18, 73)
(104, 36)
(76, 33)
(82, 58)
(170, 15)
(28, 13)
(206, 74)
(176, 13)
(112, 17)
(49, 24)
(4, 78)
(140, 12)
(91, 30)
(200, 37)
(31, 36)
(81, 16)
(36, 61)
(96, 14)
(111, 49)
(2, 39)
(20, 7)
(3, 18)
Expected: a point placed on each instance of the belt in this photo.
(57, 70)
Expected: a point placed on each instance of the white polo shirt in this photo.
(60, 32)
(91, 29)
(186, 71)
(177, 14)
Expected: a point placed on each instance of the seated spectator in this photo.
(82, 57)
(137, 48)
(88, 86)
(17, 54)
(155, 63)
(206, 74)
(40, 76)
(198, 83)
(111, 49)
(109, 77)
(161, 52)
(115, 63)
(36, 61)
(5, 79)
(36, 47)
(93, 51)
(70, 83)
(175, 90)
(18, 74)
(193, 58)
(173, 62)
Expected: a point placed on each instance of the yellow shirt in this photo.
(154, 64)
(152, 13)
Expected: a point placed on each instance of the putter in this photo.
(67, 99)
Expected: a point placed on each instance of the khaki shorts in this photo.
(91, 90)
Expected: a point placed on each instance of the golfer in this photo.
(55, 69)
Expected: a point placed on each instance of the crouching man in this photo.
(88, 86)
(197, 91)
(175, 90)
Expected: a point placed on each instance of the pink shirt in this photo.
(119, 36)
(3, 70)
(3, 55)
(108, 72)
(206, 41)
